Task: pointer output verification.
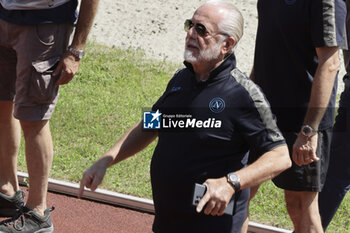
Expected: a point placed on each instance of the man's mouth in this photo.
(191, 45)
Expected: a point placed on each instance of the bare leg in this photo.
(253, 191)
(39, 156)
(303, 210)
(10, 135)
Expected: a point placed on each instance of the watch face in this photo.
(77, 53)
(81, 54)
(234, 180)
(307, 130)
(233, 177)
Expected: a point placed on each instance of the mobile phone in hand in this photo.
(199, 192)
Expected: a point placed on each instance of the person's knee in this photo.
(293, 206)
(6, 111)
(33, 128)
(299, 203)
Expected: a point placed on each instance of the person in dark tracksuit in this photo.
(338, 177)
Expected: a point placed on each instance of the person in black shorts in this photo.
(296, 64)
(208, 118)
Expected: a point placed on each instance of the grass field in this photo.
(105, 99)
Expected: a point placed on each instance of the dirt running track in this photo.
(73, 215)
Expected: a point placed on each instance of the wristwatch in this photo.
(76, 53)
(234, 180)
(308, 131)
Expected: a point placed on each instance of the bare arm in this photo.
(69, 64)
(88, 9)
(266, 167)
(132, 142)
(304, 149)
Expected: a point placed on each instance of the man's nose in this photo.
(192, 33)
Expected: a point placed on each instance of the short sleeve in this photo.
(255, 121)
(327, 22)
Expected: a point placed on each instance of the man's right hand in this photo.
(66, 69)
(304, 150)
(93, 176)
(217, 197)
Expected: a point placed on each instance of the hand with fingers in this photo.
(216, 198)
(93, 176)
(304, 150)
(66, 69)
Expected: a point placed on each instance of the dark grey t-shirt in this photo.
(289, 31)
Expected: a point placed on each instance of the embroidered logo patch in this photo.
(217, 105)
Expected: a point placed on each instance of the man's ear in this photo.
(228, 44)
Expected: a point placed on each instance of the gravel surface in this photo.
(157, 28)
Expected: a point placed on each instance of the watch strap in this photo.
(76, 53)
(234, 180)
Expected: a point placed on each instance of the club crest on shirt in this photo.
(217, 105)
(290, 2)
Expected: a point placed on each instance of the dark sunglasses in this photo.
(200, 28)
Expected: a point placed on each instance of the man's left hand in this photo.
(66, 69)
(217, 197)
(304, 150)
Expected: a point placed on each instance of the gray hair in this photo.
(233, 22)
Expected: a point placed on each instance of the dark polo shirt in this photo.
(239, 120)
